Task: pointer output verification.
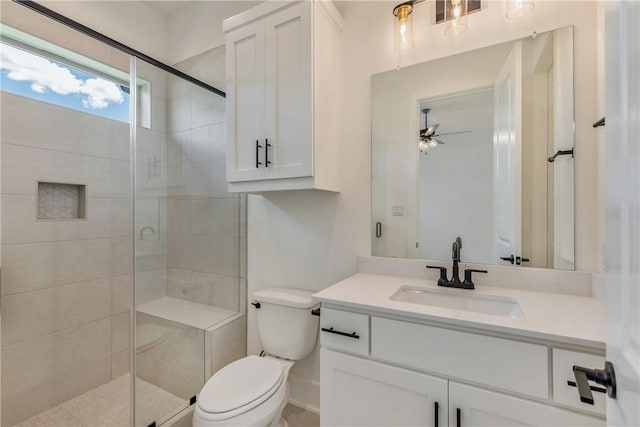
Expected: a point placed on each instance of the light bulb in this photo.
(457, 11)
(403, 26)
(518, 8)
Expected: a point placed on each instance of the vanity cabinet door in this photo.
(470, 406)
(360, 392)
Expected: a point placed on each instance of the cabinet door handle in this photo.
(266, 153)
(436, 408)
(458, 417)
(258, 147)
(344, 334)
(378, 229)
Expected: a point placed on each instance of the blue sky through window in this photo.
(26, 74)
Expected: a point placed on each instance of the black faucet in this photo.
(455, 281)
(455, 257)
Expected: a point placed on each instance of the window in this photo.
(30, 71)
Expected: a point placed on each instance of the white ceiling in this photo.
(169, 7)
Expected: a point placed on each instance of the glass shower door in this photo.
(189, 316)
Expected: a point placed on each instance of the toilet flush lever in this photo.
(256, 304)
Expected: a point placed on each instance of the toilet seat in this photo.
(239, 387)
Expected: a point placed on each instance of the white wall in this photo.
(133, 23)
(197, 27)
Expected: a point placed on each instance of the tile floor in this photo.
(298, 417)
(108, 406)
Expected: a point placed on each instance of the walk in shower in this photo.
(117, 230)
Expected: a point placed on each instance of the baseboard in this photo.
(305, 393)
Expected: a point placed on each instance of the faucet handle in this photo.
(442, 281)
(468, 283)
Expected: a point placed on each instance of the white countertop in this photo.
(570, 319)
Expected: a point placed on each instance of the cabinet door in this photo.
(470, 406)
(360, 392)
(245, 103)
(289, 92)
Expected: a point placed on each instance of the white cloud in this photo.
(44, 74)
(24, 66)
(99, 93)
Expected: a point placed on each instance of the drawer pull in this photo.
(592, 387)
(344, 334)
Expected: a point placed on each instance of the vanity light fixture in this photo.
(456, 10)
(403, 26)
(518, 8)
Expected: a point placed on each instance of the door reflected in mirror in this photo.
(464, 145)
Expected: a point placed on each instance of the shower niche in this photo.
(60, 201)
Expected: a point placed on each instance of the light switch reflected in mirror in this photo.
(499, 113)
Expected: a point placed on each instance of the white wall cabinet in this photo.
(282, 97)
(476, 380)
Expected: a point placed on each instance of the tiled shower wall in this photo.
(205, 223)
(65, 283)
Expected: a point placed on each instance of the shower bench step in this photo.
(199, 316)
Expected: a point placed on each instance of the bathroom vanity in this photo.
(402, 351)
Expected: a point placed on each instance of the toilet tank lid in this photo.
(289, 297)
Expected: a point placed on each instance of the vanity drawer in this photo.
(505, 364)
(563, 361)
(343, 330)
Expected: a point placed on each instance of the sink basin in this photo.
(466, 300)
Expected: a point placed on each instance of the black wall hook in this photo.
(560, 153)
(599, 123)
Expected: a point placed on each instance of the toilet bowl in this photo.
(253, 391)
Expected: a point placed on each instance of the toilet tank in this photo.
(286, 326)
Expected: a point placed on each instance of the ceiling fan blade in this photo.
(431, 130)
(438, 141)
(453, 133)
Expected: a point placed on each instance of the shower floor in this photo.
(108, 406)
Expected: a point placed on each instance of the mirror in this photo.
(464, 146)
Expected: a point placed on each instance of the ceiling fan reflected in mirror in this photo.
(428, 135)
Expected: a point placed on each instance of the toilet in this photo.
(253, 391)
